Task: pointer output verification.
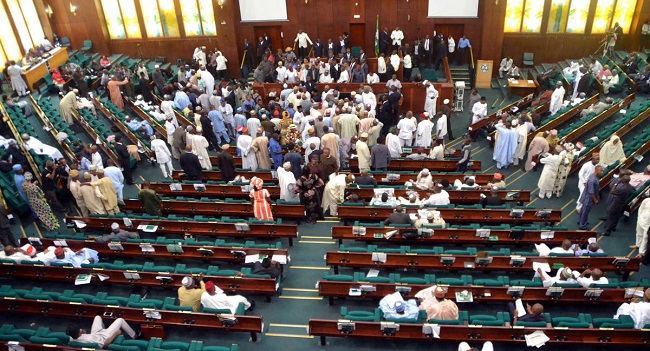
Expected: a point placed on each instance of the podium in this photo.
(484, 73)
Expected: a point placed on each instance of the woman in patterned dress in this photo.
(261, 200)
(38, 203)
(310, 186)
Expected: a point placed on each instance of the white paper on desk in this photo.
(393, 298)
(60, 243)
(148, 228)
(545, 267)
(436, 331)
(519, 306)
(543, 249)
(83, 279)
(79, 224)
(592, 240)
(536, 339)
(127, 222)
(252, 258)
(514, 81)
(413, 216)
(530, 81)
(175, 186)
(281, 259)
(372, 273)
(98, 141)
(103, 277)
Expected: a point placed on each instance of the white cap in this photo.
(114, 226)
(445, 102)
(187, 282)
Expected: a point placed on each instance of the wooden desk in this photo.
(463, 236)
(218, 208)
(479, 334)
(58, 56)
(215, 191)
(195, 228)
(497, 294)
(415, 261)
(258, 286)
(190, 252)
(404, 164)
(522, 87)
(249, 324)
(450, 215)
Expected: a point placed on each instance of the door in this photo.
(358, 35)
(274, 32)
(455, 30)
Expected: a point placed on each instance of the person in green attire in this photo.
(150, 200)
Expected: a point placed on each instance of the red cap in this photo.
(58, 251)
(209, 287)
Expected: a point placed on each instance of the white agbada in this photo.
(583, 176)
(159, 147)
(642, 224)
(423, 133)
(369, 99)
(209, 80)
(253, 124)
(394, 61)
(479, 112)
(549, 173)
(397, 36)
(96, 160)
(244, 146)
(441, 126)
(287, 182)
(406, 128)
(200, 149)
(430, 100)
(334, 193)
(222, 301)
(520, 151)
(381, 65)
(43, 149)
(394, 145)
(639, 311)
(556, 100)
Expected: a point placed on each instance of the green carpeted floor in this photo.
(286, 317)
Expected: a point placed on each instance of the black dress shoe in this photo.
(250, 309)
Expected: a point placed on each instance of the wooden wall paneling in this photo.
(358, 8)
(86, 24)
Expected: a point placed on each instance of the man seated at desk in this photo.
(214, 297)
(433, 301)
(530, 313)
(394, 307)
(493, 200)
(116, 234)
(189, 294)
(438, 198)
(590, 276)
(365, 179)
(398, 217)
(562, 277)
(468, 184)
(139, 126)
(639, 311)
(424, 181)
(385, 200)
(497, 180)
(76, 259)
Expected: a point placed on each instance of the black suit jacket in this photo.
(191, 166)
(318, 49)
(123, 154)
(335, 73)
(384, 40)
(584, 83)
(261, 47)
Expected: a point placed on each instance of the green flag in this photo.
(377, 38)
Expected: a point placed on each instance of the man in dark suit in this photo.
(125, 159)
(313, 72)
(190, 164)
(226, 164)
(318, 48)
(331, 47)
(335, 70)
(268, 41)
(261, 48)
(362, 55)
(348, 55)
(393, 100)
(384, 41)
(250, 55)
(427, 50)
(584, 84)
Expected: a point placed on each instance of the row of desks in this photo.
(43, 308)
(191, 228)
(463, 236)
(190, 252)
(215, 175)
(478, 334)
(345, 213)
(235, 191)
(480, 294)
(236, 285)
(416, 261)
